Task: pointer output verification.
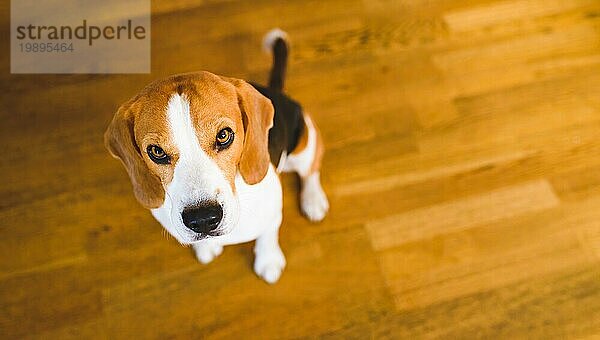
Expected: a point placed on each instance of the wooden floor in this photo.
(462, 166)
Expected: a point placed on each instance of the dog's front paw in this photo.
(207, 251)
(313, 201)
(269, 265)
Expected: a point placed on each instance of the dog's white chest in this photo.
(260, 209)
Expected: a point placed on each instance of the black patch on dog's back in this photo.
(288, 123)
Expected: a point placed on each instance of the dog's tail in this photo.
(277, 42)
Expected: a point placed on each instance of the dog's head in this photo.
(184, 139)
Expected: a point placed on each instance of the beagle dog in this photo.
(203, 153)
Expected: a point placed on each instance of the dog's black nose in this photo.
(203, 219)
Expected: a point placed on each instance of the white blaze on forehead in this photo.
(182, 128)
(193, 162)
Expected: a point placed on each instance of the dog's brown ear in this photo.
(257, 115)
(119, 139)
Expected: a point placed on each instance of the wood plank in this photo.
(506, 312)
(431, 221)
(478, 17)
(461, 262)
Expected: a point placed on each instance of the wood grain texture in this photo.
(465, 213)
(462, 166)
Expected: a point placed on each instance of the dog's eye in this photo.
(224, 138)
(157, 154)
